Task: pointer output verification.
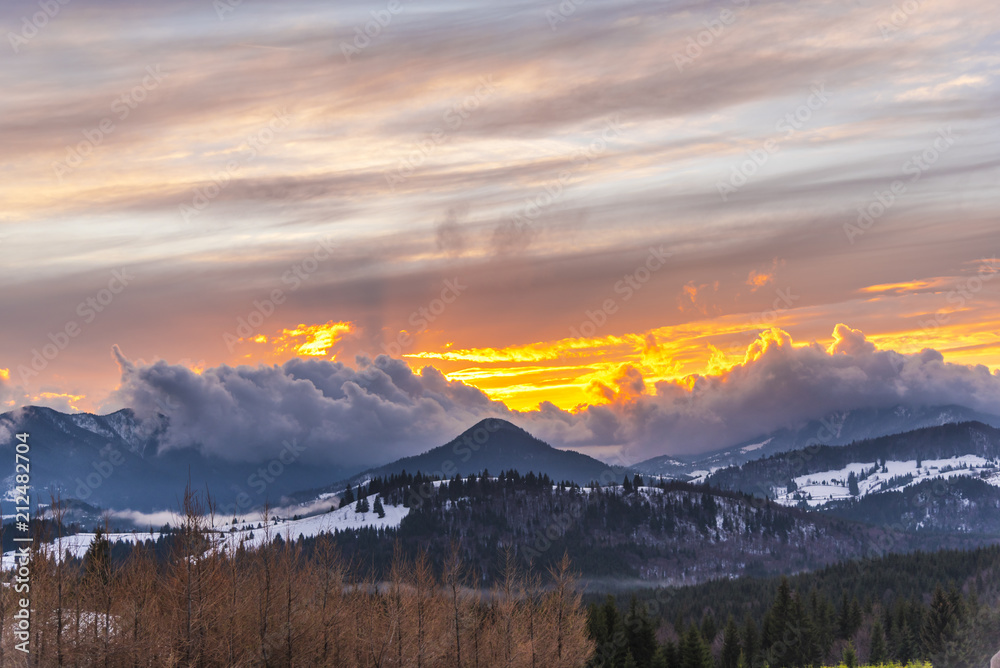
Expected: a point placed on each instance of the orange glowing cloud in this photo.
(537, 352)
(5, 374)
(906, 287)
(69, 400)
(758, 279)
(309, 340)
(693, 296)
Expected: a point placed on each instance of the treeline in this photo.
(206, 605)
(940, 607)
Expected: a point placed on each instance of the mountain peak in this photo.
(496, 444)
(494, 425)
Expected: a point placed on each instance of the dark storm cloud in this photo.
(383, 410)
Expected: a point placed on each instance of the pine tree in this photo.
(878, 653)
(850, 657)
(615, 630)
(854, 617)
(903, 643)
(97, 560)
(938, 625)
(708, 629)
(378, 507)
(640, 633)
(348, 497)
(751, 640)
(694, 652)
(852, 484)
(730, 645)
(844, 617)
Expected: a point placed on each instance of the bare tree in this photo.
(454, 580)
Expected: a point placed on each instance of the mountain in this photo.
(930, 452)
(839, 428)
(116, 461)
(941, 479)
(492, 445)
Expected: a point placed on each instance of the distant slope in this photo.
(840, 428)
(115, 461)
(763, 476)
(938, 479)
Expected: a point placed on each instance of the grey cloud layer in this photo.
(385, 411)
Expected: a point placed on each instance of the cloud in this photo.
(384, 410)
(354, 417)
(5, 389)
(781, 384)
(850, 341)
(11, 395)
(693, 297)
(759, 278)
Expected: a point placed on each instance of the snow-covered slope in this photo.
(817, 489)
(251, 533)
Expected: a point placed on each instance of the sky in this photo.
(633, 228)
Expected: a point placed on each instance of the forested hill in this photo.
(763, 476)
(675, 533)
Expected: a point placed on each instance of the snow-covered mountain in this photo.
(945, 477)
(840, 428)
(117, 461)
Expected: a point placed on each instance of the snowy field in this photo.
(247, 533)
(819, 488)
